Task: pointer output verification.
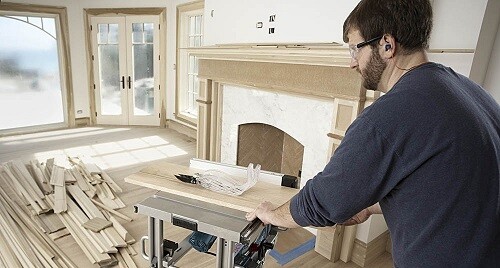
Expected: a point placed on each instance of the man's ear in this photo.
(388, 44)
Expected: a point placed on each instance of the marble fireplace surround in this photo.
(311, 94)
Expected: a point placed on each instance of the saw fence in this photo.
(40, 203)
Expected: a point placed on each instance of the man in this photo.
(428, 151)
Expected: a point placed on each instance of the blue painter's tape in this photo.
(291, 255)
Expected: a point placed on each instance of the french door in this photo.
(126, 69)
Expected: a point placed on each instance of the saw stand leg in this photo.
(155, 229)
(225, 251)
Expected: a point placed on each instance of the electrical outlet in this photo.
(272, 18)
(259, 25)
(271, 30)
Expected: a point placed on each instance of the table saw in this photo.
(240, 243)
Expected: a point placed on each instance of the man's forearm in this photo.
(269, 214)
(283, 217)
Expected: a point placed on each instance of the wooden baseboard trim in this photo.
(82, 122)
(182, 128)
(329, 242)
(364, 254)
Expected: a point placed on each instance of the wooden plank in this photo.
(114, 237)
(22, 172)
(20, 180)
(121, 230)
(57, 177)
(114, 212)
(348, 243)
(82, 183)
(60, 204)
(59, 234)
(49, 164)
(328, 243)
(11, 231)
(131, 251)
(36, 163)
(52, 221)
(39, 178)
(16, 185)
(97, 224)
(6, 251)
(128, 260)
(83, 241)
(6, 180)
(19, 214)
(121, 261)
(87, 206)
(92, 168)
(111, 182)
(80, 218)
(68, 176)
(111, 203)
(160, 176)
(111, 237)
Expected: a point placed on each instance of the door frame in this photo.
(111, 12)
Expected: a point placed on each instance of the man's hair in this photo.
(408, 21)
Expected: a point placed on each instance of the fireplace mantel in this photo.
(320, 73)
(317, 71)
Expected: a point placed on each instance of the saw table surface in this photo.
(160, 176)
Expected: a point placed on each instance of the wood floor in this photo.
(122, 151)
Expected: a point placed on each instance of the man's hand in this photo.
(360, 217)
(268, 213)
(363, 215)
(264, 212)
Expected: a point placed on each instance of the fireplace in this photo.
(270, 147)
(304, 98)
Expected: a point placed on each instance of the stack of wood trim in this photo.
(57, 199)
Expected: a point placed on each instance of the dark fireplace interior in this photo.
(270, 147)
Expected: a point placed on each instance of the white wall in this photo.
(492, 79)
(456, 23)
(313, 21)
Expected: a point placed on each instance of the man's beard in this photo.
(373, 71)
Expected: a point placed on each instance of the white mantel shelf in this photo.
(322, 55)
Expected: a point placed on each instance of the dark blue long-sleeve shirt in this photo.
(429, 152)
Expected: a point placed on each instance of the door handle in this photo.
(129, 82)
(123, 82)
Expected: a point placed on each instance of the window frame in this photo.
(61, 25)
(183, 52)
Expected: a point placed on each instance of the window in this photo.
(190, 34)
(32, 58)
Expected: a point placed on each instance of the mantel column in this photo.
(204, 119)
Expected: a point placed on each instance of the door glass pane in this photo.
(30, 82)
(148, 32)
(143, 70)
(102, 36)
(113, 34)
(137, 33)
(109, 72)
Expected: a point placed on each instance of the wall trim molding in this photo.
(182, 128)
(364, 254)
(82, 122)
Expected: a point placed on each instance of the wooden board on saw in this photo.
(160, 177)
